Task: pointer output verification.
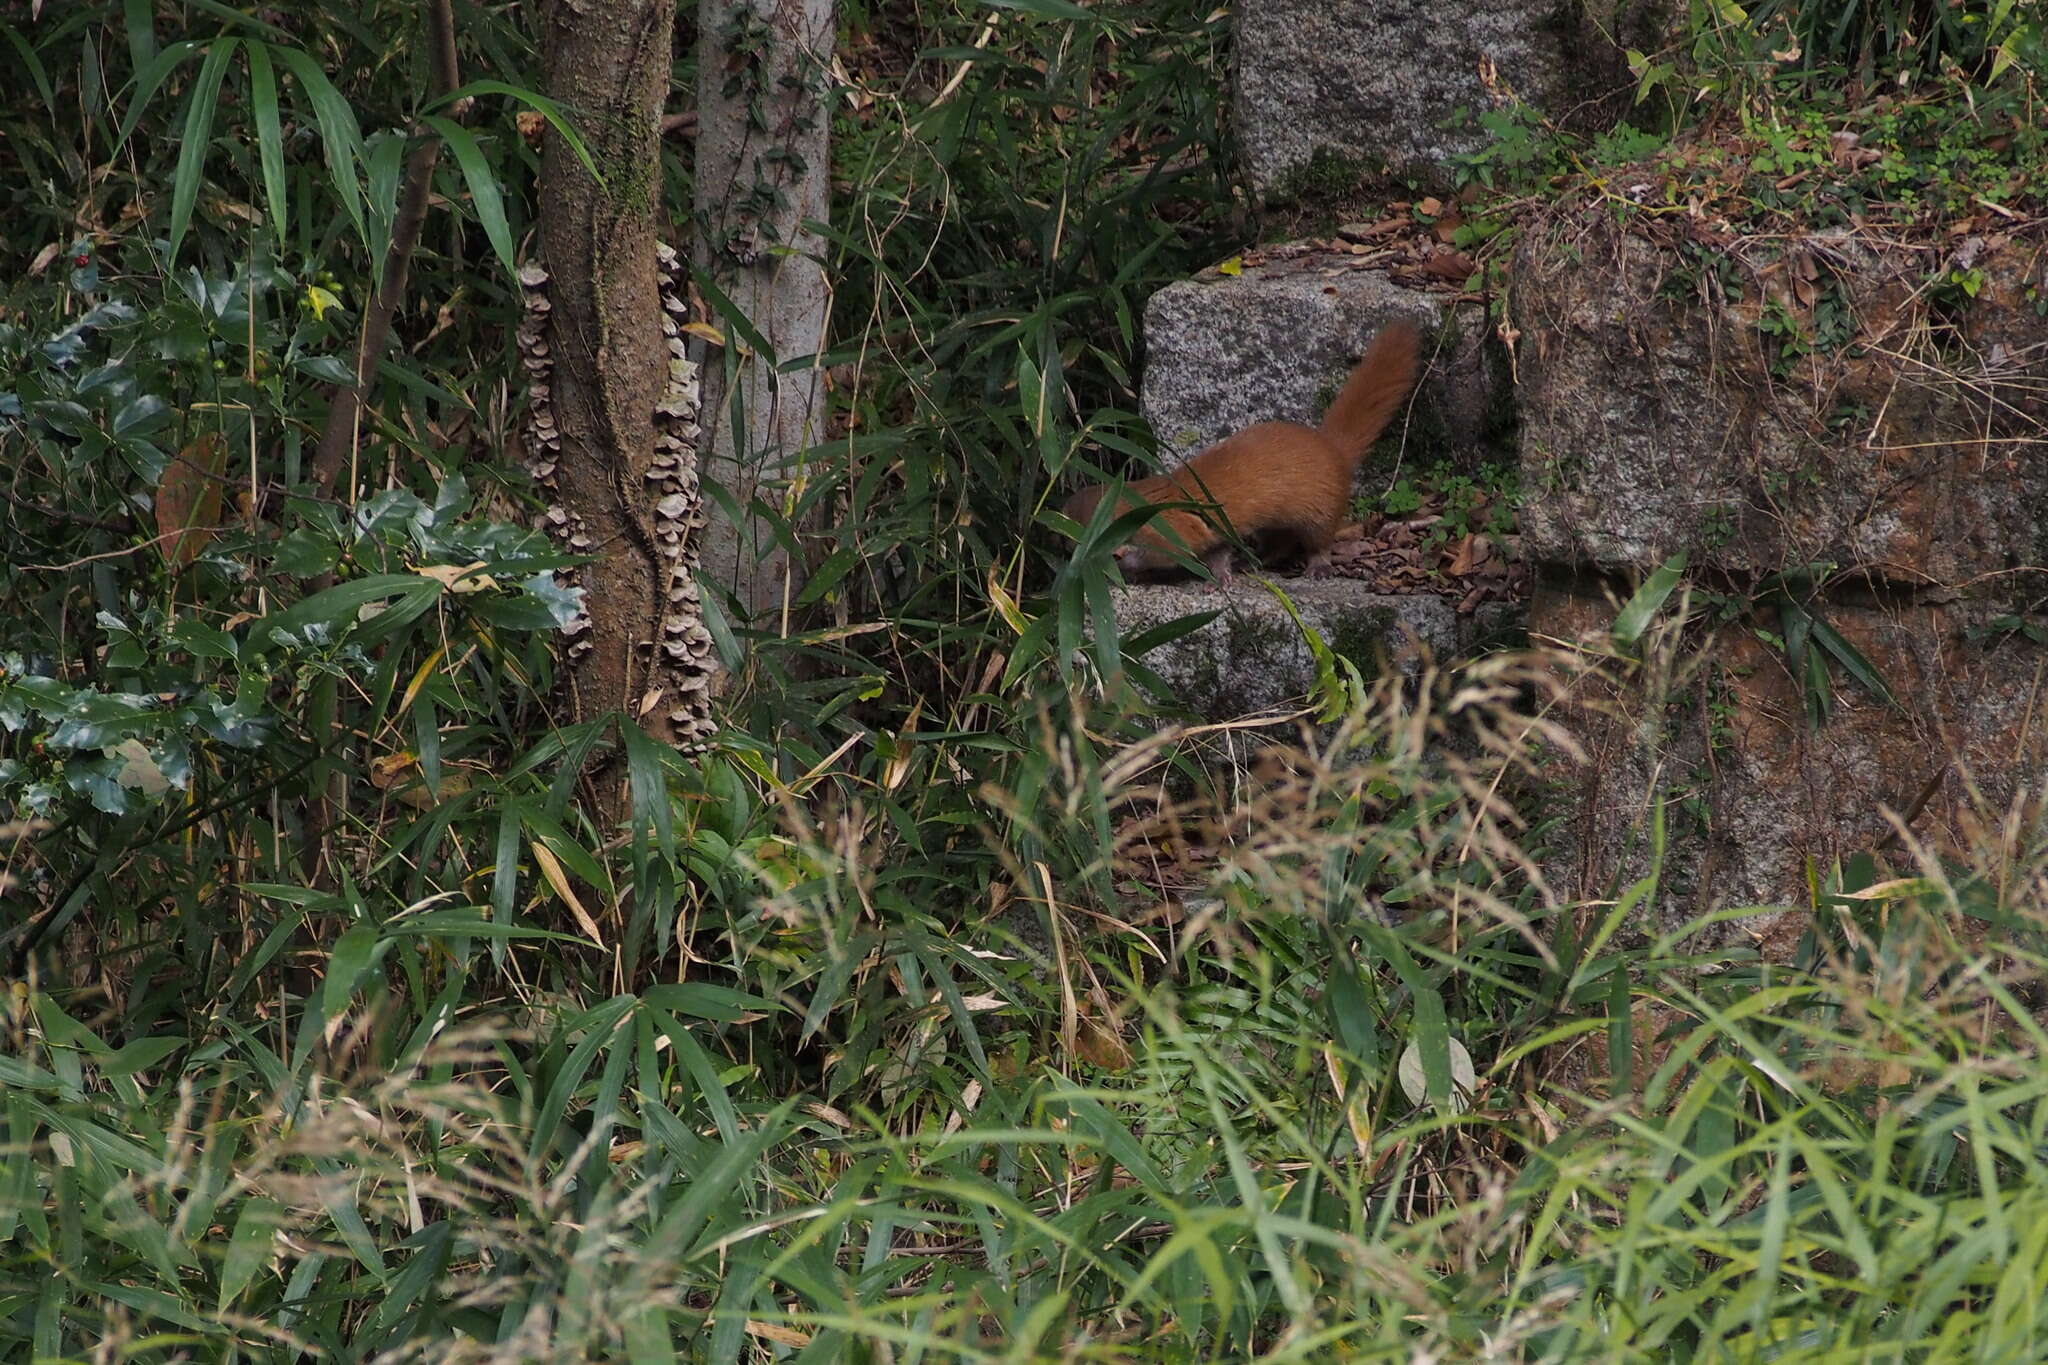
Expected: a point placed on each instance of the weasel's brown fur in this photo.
(1272, 477)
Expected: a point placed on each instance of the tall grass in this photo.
(1188, 1137)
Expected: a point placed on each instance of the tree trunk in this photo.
(613, 400)
(763, 168)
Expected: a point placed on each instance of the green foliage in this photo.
(1647, 1153)
(1801, 112)
(1784, 611)
(1520, 149)
(1465, 502)
(1886, 36)
(217, 675)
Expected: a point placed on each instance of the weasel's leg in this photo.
(1218, 561)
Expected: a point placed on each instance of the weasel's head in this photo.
(1150, 550)
(1082, 505)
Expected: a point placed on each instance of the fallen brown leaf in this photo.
(188, 499)
(1454, 266)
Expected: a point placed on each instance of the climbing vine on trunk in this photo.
(762, 179)
(612, 433)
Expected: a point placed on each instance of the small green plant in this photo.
(1848, 415)
(1484, 501)
(2010, 627)
(1519, 148)
(1955, 288)
(1717, 528)
(1402, 499)
(1789, 601)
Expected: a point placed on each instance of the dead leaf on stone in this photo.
(188, 499)
(1454, 266)
(1471, 551)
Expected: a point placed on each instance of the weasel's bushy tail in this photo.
(1373, 393)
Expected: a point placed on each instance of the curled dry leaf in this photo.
(1415, 1083)
(458, 578)
(1470, 553)
(398, 773)
(188, 499)
(1455, 266)
(139, 771)
(1366, 232)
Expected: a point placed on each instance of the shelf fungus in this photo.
(691, 661)
(679, 663)
(544, 447)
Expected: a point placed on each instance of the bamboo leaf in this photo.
(1648, 600)
(269, 136)
(483, 188)
(248, 1247)
(340, 137)
(150, 80)
(191, 168)
(542, 105)
(1852, 661)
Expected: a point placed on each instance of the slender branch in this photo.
(338, 441)
(1912, 812)
(124, 551)
(59, 514)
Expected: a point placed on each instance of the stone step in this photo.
(1756, 799)
(1253, 658)
(1653, 423)
(1332, 93)
(1275, 341)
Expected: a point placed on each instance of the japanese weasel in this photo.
(1271, 478)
